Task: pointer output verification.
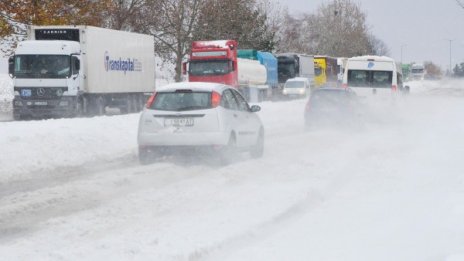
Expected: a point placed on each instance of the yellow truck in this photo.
(326, 71)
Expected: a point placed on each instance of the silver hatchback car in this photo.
(196, 116)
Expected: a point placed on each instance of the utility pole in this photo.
(401, 60)
(450, 65)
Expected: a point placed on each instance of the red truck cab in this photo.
(213, 61)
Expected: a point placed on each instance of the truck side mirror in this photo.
(76, 65)
(184, 68)
(11, 66)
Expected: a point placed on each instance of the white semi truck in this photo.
(66, 71)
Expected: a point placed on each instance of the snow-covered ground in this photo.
(6, 97)
(392, 189)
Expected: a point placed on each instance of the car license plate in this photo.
(179, 122)
(41, 103)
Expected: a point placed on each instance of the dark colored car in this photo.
(331, 107)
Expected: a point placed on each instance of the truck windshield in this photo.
(286, 70)
(367, 78)
(42, 66)
(214, 67)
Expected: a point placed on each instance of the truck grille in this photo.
(28, 93)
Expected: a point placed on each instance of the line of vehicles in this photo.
(215, 118)
(83, 70)
(66, 71)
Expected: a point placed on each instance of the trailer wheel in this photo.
(99, 106)
(80, 105)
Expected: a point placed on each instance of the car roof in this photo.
(333, 89)
(298, 79)
(194, 86)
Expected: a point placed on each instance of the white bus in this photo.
(373, 75)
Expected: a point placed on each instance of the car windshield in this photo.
(182, 101)
(214, 67)
(42, 66)
(294, 84)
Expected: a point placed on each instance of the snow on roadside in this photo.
(389, 191)
(37, 146)
(6, 97)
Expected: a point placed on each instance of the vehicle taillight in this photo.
(394, 88)
(215, 99)
(151, 100)
(345, 85)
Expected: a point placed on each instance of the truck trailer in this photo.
(66, 71)
(291, 65)
(270, 63)
(217, 61)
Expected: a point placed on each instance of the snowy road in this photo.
(72, 189)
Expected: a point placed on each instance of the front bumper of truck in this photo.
(65, 106)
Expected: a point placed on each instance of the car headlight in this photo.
(59, 92)
(284, 91)
(16, 93)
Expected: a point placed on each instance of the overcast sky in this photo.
(423, 27)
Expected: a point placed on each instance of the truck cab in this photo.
(214, 61)
(45, 77)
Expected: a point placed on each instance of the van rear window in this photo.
(181, 101)
(369, 78)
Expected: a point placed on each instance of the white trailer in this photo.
(252, 78)
(81, 70)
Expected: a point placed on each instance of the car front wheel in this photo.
(257, 150)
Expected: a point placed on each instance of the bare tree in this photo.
(378, 46)
(460, 3)
(243, 20)
(172, 23)
(16, 15)
(127, 15)
(339, 29)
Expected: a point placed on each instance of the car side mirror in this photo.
(255, 108)
(11, 66)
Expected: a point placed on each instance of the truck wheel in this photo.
(80, 107)
(99, 106)
(16, 117)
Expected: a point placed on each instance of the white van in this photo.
(296, 87)
(373, 75)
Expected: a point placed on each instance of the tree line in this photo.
(338, 28)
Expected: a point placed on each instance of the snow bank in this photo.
(6, 97)
(390, 190)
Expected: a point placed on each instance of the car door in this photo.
(249, 124)
(230, 114)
